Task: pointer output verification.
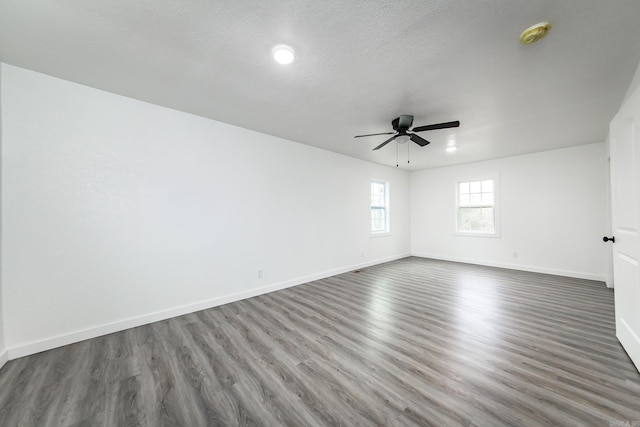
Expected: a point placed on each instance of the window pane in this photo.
(469, 219)
(476, 219)
(378, 219)
(476, 206)
(379, 197)
(377, 194)
(487, 220)
(487, 199)
(487, 186)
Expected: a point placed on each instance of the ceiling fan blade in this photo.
(445, 125)
(418, 140)
(385, 143)
(374, 134)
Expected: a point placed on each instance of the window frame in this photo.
(496, 206)
(386, 207)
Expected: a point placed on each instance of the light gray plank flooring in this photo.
(410, 342)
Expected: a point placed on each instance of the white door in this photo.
(625, 194)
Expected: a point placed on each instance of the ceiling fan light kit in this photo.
(403, 139)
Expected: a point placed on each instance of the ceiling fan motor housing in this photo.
(402, 123)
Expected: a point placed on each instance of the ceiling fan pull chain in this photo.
(408, 151)
(396, 153)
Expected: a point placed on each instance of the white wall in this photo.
(3, 348)
(635, 82)
(118, 212)
(553, 213)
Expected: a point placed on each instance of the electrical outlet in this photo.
(259, 273)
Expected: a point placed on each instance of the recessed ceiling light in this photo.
(283, 54)
(451, 149)
(535, 33)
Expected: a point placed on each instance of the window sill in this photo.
(472, 234)
(381, 234)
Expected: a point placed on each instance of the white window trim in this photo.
(496, 206)
(386, 232)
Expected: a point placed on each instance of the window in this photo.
(379, 207)
(477, 207)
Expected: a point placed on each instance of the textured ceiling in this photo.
(359, 64)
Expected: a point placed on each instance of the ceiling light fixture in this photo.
(535, 33)
(283, 54)
(403, 139)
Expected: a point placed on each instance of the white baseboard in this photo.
(132, 322)
(532, 269)
(4, 358)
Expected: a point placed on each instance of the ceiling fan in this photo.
(402, 126)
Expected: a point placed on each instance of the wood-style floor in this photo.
(410, 342)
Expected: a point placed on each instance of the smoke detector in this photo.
(535, 33)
